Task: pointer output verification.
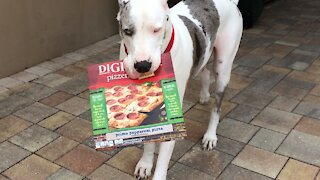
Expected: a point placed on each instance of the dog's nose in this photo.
(143, 66)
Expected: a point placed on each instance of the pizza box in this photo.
(128, 112)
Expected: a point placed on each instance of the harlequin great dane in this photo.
(191, 31)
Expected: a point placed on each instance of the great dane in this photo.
(193, 31)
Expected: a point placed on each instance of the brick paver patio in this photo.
(271, 114)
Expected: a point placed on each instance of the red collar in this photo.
(169, 47)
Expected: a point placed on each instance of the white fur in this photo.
(236, 1)
(206, 82)
(144, 166)
(226, 45)
(182, 9)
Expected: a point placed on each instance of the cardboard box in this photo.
(128, 112)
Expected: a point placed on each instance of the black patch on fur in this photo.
(199, 42)
(219, 98)
(126, 22)
(209, 18)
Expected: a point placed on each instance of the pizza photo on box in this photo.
(132, 105)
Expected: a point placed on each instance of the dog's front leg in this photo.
(144, 166)
(165, 152)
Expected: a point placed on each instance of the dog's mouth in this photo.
(136, 75)
(133, 72)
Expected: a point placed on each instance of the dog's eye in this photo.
(156, 30)
(128, 32)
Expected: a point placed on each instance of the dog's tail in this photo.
(236, 1)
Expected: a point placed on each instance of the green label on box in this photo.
(172, 101)
(99, 112)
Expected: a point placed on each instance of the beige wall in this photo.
(32, 31)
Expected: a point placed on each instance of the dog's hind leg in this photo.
(205, 82)
(144, 166)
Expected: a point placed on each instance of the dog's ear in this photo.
(123, 3)
(118, 16)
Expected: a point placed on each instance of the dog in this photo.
(192, 31)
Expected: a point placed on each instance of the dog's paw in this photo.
(204, 97)
(143, 169)
(209, 141)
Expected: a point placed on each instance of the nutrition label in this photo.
(99, 112)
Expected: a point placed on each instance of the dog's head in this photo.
(142, 26)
